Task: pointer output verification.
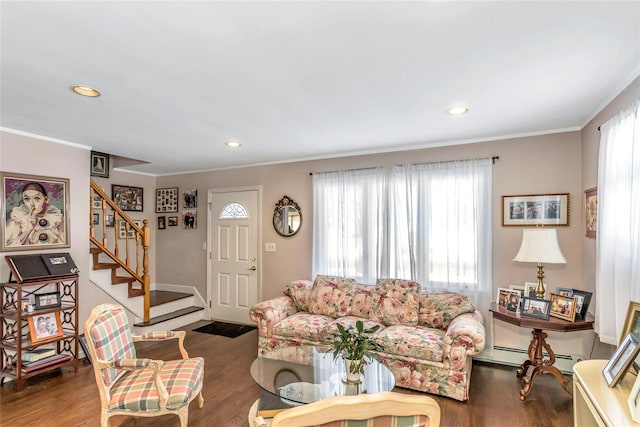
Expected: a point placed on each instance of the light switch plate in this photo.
(269, 247)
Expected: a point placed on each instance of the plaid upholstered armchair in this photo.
(139, 387)
(373, 410)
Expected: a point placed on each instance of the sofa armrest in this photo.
(465, 336)
(268, 313)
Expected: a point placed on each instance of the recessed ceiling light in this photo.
(232, 143)
(86, 91)
(456, 111)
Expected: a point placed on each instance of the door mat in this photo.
(230, 330)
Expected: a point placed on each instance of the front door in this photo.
(234, 269)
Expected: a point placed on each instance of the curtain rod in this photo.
(493, 161)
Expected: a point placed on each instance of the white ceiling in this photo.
(304, 80)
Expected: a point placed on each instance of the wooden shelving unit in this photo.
(15, 337)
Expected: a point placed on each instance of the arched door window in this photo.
(233, 211)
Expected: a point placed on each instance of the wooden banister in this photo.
(137, 240)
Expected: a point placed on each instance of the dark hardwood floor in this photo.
(69, 399)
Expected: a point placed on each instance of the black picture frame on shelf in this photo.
(47, 300)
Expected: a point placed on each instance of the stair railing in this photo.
(132, 255)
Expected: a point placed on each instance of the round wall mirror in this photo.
(287, 217)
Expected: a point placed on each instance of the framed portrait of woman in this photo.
(35, 212)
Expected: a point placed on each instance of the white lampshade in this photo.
(540, 245)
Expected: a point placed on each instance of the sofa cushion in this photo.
(412, 341)
(361, 305)
(302, 326)
(438, 309)
(395, 302)
(332, 296)
(300, 292)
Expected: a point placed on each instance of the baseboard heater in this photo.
(515, 356)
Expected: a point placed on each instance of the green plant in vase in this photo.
(355, 345)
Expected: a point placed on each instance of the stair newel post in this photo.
(146, 242)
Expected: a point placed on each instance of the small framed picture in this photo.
(508, 299)
(173, 221)
(99, 164)
(190, 197)
(634, 400)
(563, 307)
(96, 203)
(162, 223)
(167, 200)
(45, 326)
(48, 300)
(535, 307)
(530, 289)
(621, 360)
(190, 218)
(96, 218)
(109, 220)
(122, 229)
(632, 321)
(128, 198)
(591, 211)
(583, 299)
(567, 292)
(519, 288)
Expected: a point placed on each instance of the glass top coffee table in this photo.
(305, 374)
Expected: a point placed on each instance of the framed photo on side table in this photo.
(583, 299)
(508, 299)
(536, 209)
(621, 360)
(530, 289)
(43, 327)
(563, 307)
(538, 308)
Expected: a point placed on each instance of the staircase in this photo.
(115, 262)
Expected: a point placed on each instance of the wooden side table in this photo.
(536, 364)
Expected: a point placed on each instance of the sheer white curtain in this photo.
(618, 237)
(430, 223)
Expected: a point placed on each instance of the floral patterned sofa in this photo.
(428, 337)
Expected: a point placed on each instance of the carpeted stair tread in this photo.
(169, 316)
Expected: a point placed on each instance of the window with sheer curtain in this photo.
(618, 238)
(428, 222)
